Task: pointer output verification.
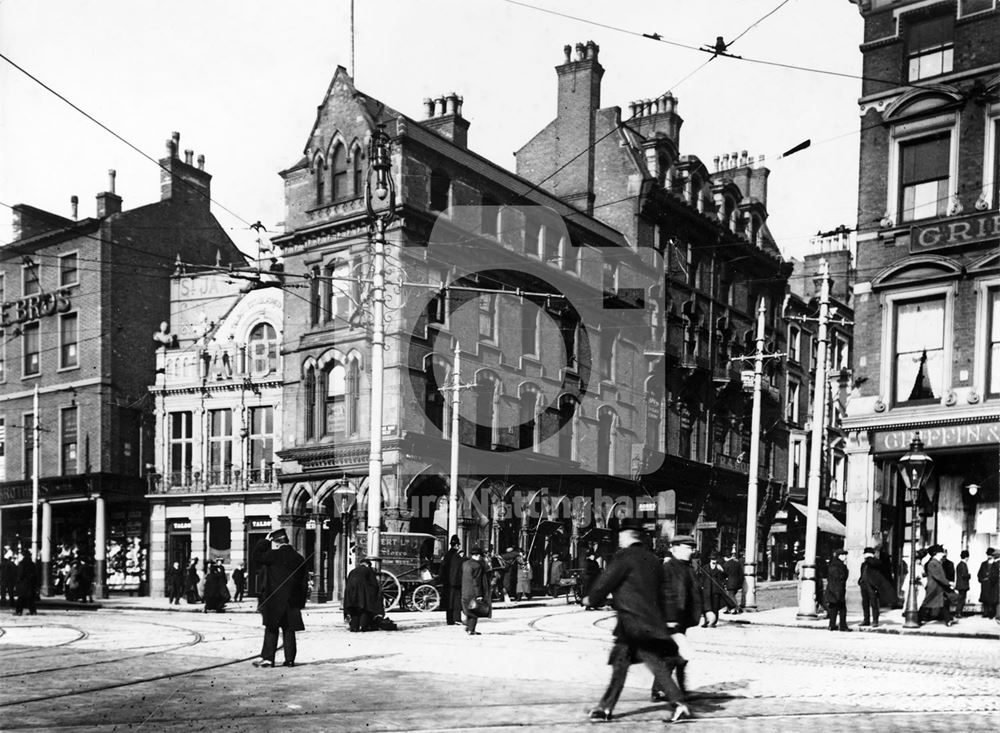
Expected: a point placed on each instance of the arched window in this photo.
(528, 417)
(309, 398)
(440, 190)
(262, 350)
(319, 171)
(359, 172)
(336, 393)
(353, 396)
(605, 435)
(339, 166)
(485, 412)
(567, 426)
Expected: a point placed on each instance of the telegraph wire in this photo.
(757, 22)
(114, 134)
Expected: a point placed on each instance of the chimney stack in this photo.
(189, 157)
(444, 116)
(180, 180)
(109, 202)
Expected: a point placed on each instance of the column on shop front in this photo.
(237, 543)
(158, 551)
(199, 545)
(862, 507)
(100, 547)
(45, 555)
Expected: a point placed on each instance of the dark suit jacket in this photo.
(836, 582)
(475, 584)
(937, 585)
(285, 585)
(635, 577)
(962, 575)
(734, 575)
(451, 569)
(362, 591)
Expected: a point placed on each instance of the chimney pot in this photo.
(452, 102)
(568, 50)
(176, 138)
(441, 105)
(201, 162)
(647, 106)
(715, 160)
(725, 161)
(743, 158)
(592, 50)
(581, 51)
(74, 204)
(428, 107)
(189, 156)
(111, 179)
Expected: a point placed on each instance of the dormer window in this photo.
(930, 46)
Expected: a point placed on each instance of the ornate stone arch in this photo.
(918, 268)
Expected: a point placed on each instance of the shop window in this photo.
(68, 437)
(338, 166)
(30, 340)
(918, 354)
(69, 338)
(261, 444)
(181, 441)
(930, 46)
(262, 348)
(924, 177)
(29, 444)
(220, 447)
(440, 197)
(69, 273)
(31, 278)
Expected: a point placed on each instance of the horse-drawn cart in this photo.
(409, 569)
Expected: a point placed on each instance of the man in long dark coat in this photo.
(175, 583)
(682, 604)
(876, 590)
(26, 585)
(362, 597)
(836, 592)
(282, 597)
(8, 578)
(962, 578)
(935, 605)
(635, 578)
(451, 582)
(734, 581)
(475, 587)
(988, 586)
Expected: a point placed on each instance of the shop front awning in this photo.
(827, 522)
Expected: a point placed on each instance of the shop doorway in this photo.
(254, 581)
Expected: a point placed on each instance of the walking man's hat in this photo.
(684, 539)
(278, 535)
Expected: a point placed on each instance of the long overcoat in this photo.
(285, 585)
(27, 579)
(874, 581)
(635, 579)
(836, 582)
(713, 588)
(988, 583)
(362, 591)
(475, 584)
(936, 585)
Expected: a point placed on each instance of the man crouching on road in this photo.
(635, 577)
(283, 595)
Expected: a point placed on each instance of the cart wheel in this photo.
(391, 590)
(425, 598)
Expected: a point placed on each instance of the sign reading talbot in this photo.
(944, 436)
(955, 232)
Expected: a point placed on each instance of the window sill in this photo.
(73, 368)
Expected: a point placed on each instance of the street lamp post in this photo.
(915, 468)
(346, 494)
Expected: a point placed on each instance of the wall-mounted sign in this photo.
(955, 232)
(34, 307)
(260, 524)
(180, 525)
(944, 436)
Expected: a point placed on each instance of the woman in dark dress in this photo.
(216, 592)
(192, 582)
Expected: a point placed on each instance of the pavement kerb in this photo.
(889, 626)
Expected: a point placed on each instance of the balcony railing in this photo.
(217, 480)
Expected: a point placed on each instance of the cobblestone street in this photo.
(535, 668)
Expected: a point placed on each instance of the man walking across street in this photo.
(962, 578)
(475, 591)
(635, 578)
(682, 606)
(283, 595)
(836, 591)
(734, 581)
(451, 581)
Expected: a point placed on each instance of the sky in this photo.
(241, 80)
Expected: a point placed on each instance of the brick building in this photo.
(540, 298)
(719, 261)
(81, 298)
(217, 402)
(928, 290)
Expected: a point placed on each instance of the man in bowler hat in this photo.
(282, 597)
(451, 582)
(635, 579)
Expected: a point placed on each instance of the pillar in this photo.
(158, 550)
(100, 548)
(45, 556)
(319, 584)
(861, 507)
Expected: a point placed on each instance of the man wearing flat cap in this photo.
(682, 604)
(635, 578)
(282, 596)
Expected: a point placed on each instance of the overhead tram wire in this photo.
(114, 134)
